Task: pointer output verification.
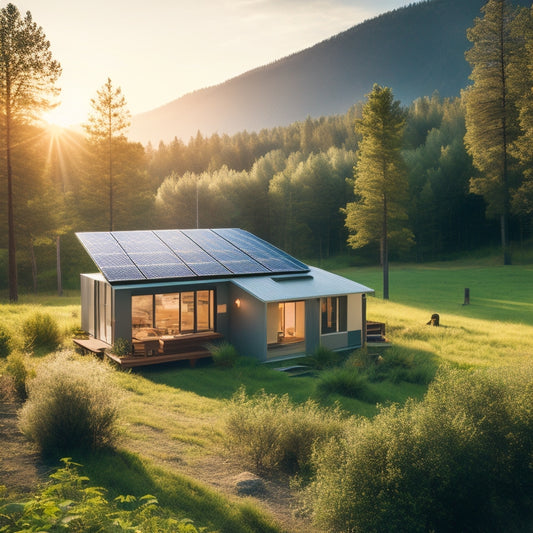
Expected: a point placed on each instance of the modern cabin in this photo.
(167, 289)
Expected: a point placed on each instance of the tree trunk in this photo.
(58, 266)
(385, 252)
(33, 267)
(13, 282)
(110, 185)
(505, 169)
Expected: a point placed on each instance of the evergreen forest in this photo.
(288, 185)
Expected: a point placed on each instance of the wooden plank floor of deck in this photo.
(136, 361)
(95, 346)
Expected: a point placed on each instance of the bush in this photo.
(122, 347)
(460, 460)
(69, 503)
(41, 331)
(224, 354)
(269, 432)
(17, 368)
(5, 342)
(72, 404)
(346, 382)
(395, 364)
(322, 358)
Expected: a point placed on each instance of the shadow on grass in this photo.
(389, 375)
(123, 473)
(222, 383)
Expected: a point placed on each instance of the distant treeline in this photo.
(286, 185)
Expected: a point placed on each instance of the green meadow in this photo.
(171, 429)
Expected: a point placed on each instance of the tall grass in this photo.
(71, 405)
(460, 460)
(65, 311)
(269, 432)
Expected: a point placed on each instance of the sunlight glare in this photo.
(61, 117)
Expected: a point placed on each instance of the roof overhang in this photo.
(317, 283)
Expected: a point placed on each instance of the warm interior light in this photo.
(237, 302)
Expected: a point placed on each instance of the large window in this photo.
(172, 313)
(334, 314)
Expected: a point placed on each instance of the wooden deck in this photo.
(94, 346)
(167, 349)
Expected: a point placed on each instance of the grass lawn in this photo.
(171, 415)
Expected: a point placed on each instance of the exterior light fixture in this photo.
(237, 303)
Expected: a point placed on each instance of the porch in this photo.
(164, 349)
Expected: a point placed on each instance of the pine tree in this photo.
(491, 108)
(28, 74)
(379, 212)
(522, 148)
(107, 122)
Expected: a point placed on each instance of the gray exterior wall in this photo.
(87, 303)
(248, 324)
(312, 324)
(122, 316)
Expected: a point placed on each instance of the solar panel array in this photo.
(124, 256)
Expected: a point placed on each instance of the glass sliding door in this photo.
(187, 319)
(167, 313)
(204, 311)
(142, 315)
(172, 313)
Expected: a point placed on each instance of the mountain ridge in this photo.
(416, 50)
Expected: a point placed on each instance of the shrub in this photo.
(17, 368)
(5, 342)
(322, 358)
(122, 347)
(224, 354)
(347, 382)
(41, 331)
(72, 404)
(460, 460)
(69, 503)
(269, 432)
(394, 364)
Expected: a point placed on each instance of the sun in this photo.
(60, 117)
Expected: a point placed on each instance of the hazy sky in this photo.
(159, 50)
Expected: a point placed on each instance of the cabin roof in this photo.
(193, 254)
(317, 283)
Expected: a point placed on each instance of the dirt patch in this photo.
(21, 466)
(221, 472)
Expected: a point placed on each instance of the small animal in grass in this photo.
(434, 320)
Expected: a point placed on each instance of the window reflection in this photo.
(172, 313)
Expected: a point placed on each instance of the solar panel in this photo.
(123, 273)
(150, 258)
(99, 242)
(139, 241)
(112, 260)
(167, 271)
(269, 256)
(125, 256)
(209, 269)
(245, 267)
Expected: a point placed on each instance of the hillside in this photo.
(415, 50)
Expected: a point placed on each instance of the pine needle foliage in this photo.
(380, 210)
(491, 105)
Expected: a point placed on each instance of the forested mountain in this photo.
(415, 50)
